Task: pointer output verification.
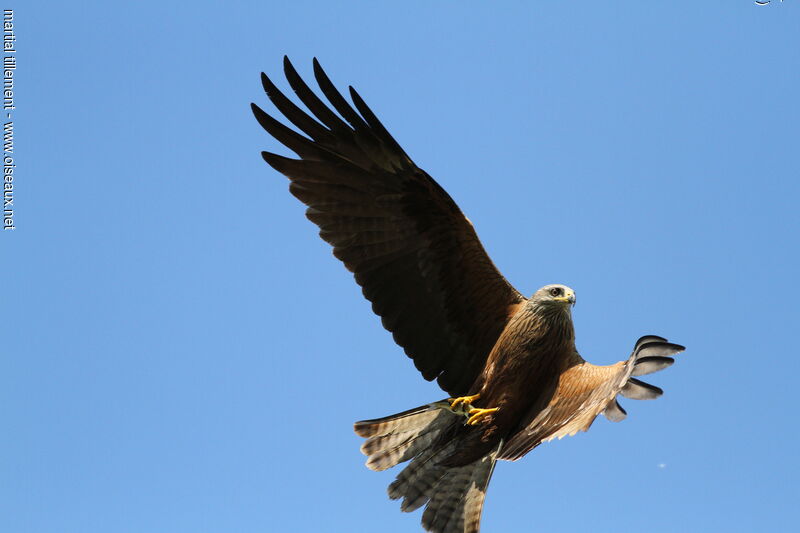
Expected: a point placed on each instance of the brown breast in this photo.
(521, 374)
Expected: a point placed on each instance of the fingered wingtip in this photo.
(614, 412)
(356, 97)
(318, 69)
(635, 389)
(649, 365)
(657, 348)
(648, 338)
(257, 112)
(270, 159)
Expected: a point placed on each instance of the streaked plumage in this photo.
(511, 360)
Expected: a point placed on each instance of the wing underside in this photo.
(585, 390)
(415, 255)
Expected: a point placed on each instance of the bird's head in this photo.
(554, 295)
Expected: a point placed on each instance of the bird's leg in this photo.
(476, 416)
(465, 401)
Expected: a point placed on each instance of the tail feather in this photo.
(417, 487)
(440, 511)
(409, 448)
(476, 495)
(458, 497)
(395, 439)
(401, 422)
(385, 442)
(408, 476)
(429, 436)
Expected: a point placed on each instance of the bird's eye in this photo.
(555, 291)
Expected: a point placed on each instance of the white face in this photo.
(556, 293)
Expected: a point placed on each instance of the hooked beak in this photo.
(569, 298)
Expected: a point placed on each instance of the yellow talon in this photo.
(463, 400)
(477, 415)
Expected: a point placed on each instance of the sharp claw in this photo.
(466, 401)
(478, 415)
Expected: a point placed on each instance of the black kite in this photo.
(509, 363)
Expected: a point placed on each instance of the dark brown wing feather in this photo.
(415, 255)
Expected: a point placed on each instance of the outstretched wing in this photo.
(415, 255)
(585, 390)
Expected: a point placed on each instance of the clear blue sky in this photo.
(182, 354)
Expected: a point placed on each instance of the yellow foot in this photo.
(476, 416)
(463, 400)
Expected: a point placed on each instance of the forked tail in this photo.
(428, 435)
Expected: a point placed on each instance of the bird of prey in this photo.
(508, 363)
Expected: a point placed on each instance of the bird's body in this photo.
(537, 344)
(508, 362)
